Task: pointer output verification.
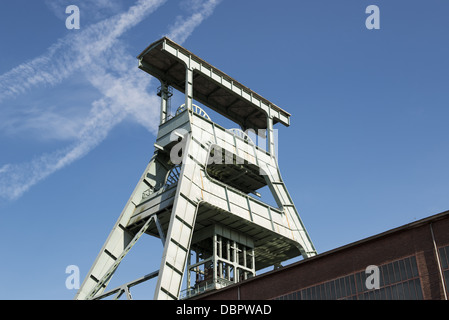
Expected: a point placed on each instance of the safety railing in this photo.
(203, 287)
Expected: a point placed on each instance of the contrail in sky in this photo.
(125, 95)
(73, 52)
(183, 28)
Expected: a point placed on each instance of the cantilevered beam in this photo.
(160, 59)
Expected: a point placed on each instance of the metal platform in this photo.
(170, 62)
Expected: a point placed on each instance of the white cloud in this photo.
(123, 97)
(125, 91)
(43, 124)
(128, 93)
(73, 52)
(93, 10)
(184, 27)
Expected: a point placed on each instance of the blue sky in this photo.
(366, 151)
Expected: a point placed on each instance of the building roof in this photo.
(408, 226)
(404, 228)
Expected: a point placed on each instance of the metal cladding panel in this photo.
(87, 286)
(215, 189)
(205, 125)
(199, 153)
(259, 209)
(283, 196)
(176, 258)
(236, 198)
(117, 243)
(181, 232)
(102, 267)
(215, 200)
(239, 211)
(198, 178)
(243, 147)
(155, 203)
(263, 158)
(174, 285)
(180, 122)
(262, 221)
(278, 217)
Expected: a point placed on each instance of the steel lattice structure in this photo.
(196, 194)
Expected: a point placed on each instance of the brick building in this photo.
(412, 262)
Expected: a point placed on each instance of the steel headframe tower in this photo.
(195, 194)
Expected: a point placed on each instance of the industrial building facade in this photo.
(411, 262)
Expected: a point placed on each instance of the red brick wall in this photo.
(413, 239)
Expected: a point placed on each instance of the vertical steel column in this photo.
(228, 256)
(164, 101)
(244, 262)
(189, 88)
(271, 148)
(253, 262)
(437, 256)
(234, 260)
(220, 255)
(215, 258)
(189, 262)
